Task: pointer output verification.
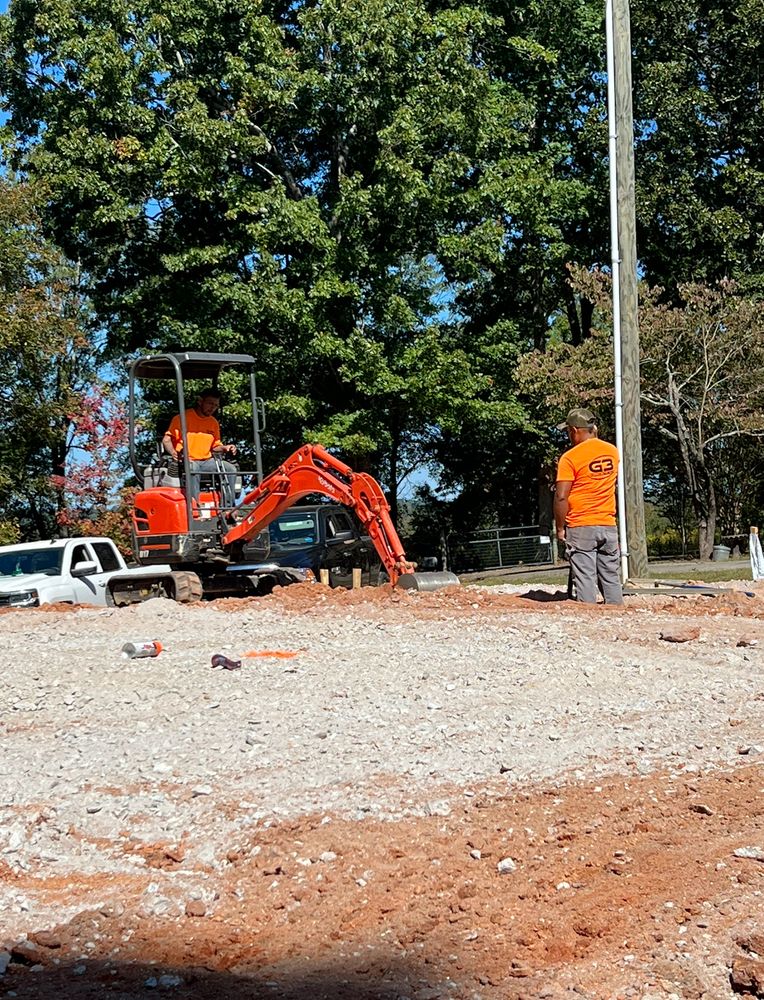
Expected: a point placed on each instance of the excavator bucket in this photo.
(427, 581)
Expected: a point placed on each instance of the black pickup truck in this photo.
(325, 536)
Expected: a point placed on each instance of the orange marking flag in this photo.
(277, 654)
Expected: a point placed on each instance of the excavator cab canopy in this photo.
(192, 364)
(182, 367)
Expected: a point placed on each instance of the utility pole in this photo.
(629, 313)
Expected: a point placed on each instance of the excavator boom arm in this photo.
(312, 469)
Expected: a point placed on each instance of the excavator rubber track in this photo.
(186, 587)
(133, 588)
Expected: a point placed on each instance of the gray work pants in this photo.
(595, 561)
(225, 480)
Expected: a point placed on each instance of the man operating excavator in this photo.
(203, 445)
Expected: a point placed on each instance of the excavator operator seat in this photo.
(163, 471)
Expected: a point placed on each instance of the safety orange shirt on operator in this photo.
(592, 467)
(203, 435)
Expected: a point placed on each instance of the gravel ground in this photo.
(392, 708)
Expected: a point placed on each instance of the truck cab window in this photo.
(81, 554)
(337, 522)
(107, 555)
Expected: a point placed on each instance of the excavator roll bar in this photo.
(312, 469)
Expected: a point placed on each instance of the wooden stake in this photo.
(356, 579)
(324, 576)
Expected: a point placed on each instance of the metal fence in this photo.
(498, 548)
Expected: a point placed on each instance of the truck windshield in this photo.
(20, 561)
(294, 529)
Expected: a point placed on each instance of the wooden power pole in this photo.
(627, 241)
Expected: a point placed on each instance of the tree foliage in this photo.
(380, 200)
(700, 369)
(701, 389)
(331, 186)
(698, 105)
(45, 363)
(94, 500)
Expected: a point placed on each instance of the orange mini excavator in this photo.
(179, 518)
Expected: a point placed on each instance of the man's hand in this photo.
(562, 547)
(229, 449)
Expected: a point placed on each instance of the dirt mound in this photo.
(451, 602)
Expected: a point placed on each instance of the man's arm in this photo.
(172, 437)
(561, 506)
(218, 448)
(223, 449)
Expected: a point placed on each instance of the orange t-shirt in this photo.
(592, 467)
(203, 435)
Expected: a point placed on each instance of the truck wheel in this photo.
(185, 588)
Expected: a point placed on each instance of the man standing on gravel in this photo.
(584, 510)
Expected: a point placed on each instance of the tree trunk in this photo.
(393, 489)
(705, 509)
(703, 499)
(38, 520)
(539, 318)
(579, 311)
(573, 319)
(701, 486)
(443, 551)
(58, 465)
(683, 521)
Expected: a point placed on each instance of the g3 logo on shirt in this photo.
(601, 467)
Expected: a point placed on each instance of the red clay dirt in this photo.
(625, 888)
(619, 888)
(454, 602)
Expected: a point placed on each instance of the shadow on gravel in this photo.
(545, 596)
(91, 980)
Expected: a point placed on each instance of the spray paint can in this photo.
(134, 650)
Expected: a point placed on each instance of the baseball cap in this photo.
(578, 418)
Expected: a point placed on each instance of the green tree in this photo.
(700, 385)
(45, 364)
(253, 178)
(541, 203)
(698, 108)
(297, 181)
(537, 204)
(700, 365)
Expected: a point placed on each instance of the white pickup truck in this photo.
(82, 571)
